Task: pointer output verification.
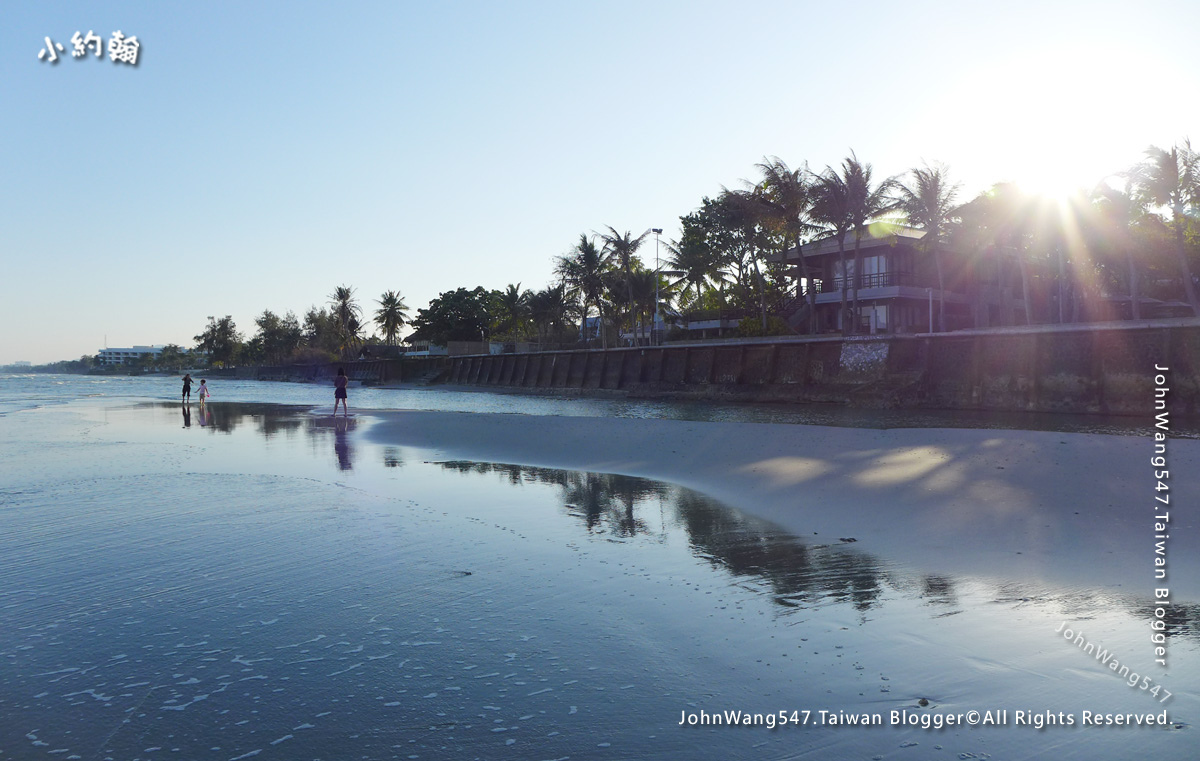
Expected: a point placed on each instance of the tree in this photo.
(787, 195)
(349, 319)
(745, 214)
(831, 209)
(458, 315)
(278, 337)
(220, 340)
(866, 202)
(172, 358)
(583, 271)
(321, 330)
(512, 310)
(928, 205)
(1171, 179)
(1002, 224)
(1115, 212)
(391, 316)
(692, 260)
(547, 309)
(622, 249)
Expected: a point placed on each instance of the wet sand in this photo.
(263, 582)
(1030, 505)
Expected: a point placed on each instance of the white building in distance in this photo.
(121, 356)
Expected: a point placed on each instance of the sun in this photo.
(1053, 122)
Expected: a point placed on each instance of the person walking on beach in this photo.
(187, 388)
(339, 393)
(202, 392)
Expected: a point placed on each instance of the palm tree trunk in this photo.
(1135, 298)
(762, 290)
(842, 259)
(937, 264)
(1025, 288)
(1188, 287)
(854, 286)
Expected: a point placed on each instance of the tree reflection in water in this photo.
(795, 573)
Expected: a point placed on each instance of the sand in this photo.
(1064, 508)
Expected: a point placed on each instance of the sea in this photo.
(257, 579)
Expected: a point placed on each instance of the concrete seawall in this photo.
(1108, 368)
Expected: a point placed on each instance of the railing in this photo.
(878, 280)
(716, 314)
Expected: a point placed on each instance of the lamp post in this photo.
(654, 326)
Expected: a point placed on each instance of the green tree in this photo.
(692, 260)
(831, 209)
(391, 316)
(277, 338)
(622, 249)
(172, 358)
(927, 202)
(512, 311)
(220, 340)
(321, 330)
(1171, 179)
(458, 315)
(787, 195)
(548, 309)
(584, 271)
(867, 202)
(349, 319)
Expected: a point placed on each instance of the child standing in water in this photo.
(202, 392)
(339, 393)
(187, 388)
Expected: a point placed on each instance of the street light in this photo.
(654, 326)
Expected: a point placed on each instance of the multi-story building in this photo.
(898, 289)
(132, 354)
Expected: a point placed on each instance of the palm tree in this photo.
(867, 202)
(514, 309)
(1172, 179)
(349, 318)
(831, 209)
(547, 308)
(1115, 213)
(583, 270)
(694, 262)
(787, 194)
(391, 316)
(623, 249)
(928, 204)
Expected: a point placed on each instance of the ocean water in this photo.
(33, 390)
(255, 579)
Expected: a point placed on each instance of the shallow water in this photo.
(35, 390)
(252, 581)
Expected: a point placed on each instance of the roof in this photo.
(877, 235)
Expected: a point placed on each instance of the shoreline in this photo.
(1042, 507)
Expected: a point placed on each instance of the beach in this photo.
(261, 580)
(1028, 505)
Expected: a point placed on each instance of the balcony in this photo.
(877, 280)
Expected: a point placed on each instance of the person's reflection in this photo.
(206, 419)
(341, 444)
(187, 415)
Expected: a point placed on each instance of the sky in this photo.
(261, 154)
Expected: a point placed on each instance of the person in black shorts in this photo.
(187, 388)
(339, 393)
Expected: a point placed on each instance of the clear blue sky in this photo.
(262, 154)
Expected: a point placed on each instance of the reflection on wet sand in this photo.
(271, 420)
(794, 573)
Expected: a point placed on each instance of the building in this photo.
(122, 356)
(898, 287)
